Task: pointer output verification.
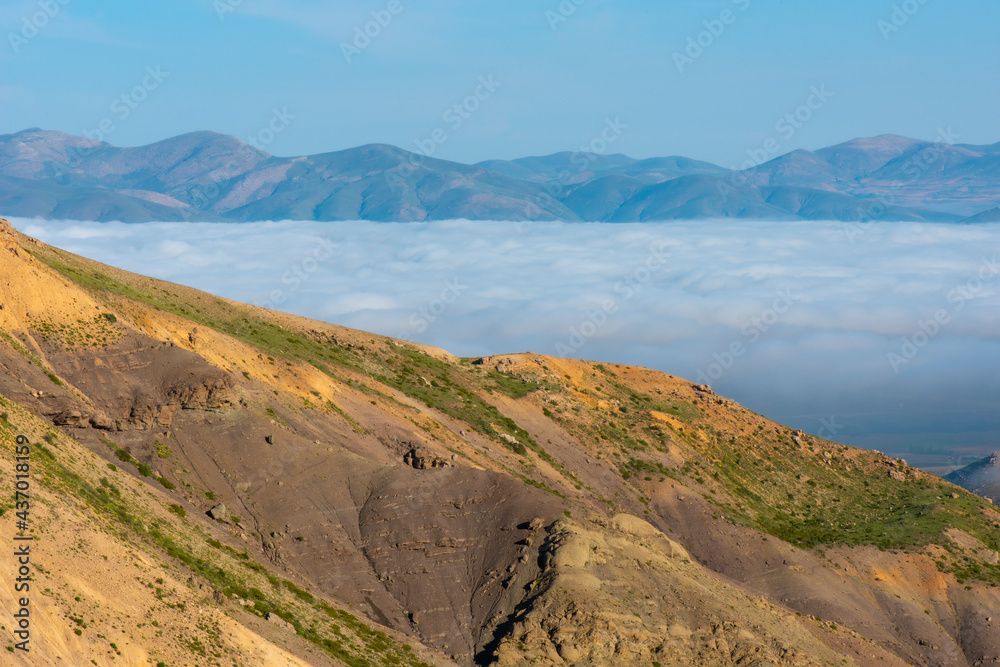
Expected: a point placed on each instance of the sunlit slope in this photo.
(447, 499)
(121, 574)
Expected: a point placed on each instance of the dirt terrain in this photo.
(376, 502)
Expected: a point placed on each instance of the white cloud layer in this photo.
(799, 321)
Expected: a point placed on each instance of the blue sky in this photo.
(560, 71)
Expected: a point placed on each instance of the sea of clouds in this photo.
(881, 335)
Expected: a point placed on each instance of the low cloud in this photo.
(799, 321)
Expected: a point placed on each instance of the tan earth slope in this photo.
(273, 490)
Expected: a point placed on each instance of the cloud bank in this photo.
(882, 335)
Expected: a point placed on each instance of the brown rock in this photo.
(71, 418)
(422, 458)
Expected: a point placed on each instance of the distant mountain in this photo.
(981, 477)
(573, 168)
(213, 177)
(209, 176)
(992, 215)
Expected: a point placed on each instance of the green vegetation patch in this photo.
(441, 386)
(795, 497)
(359, 646)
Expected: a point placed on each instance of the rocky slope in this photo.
(387, 503)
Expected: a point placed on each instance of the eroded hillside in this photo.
(508, 510)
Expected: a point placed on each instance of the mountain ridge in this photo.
(981, 477)
(379, 502)
(214, 177)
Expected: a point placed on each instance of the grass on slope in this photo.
(852, 500)
(339, 633)
(438, 384)
(799, 494)
(761, 478)
(211, 312)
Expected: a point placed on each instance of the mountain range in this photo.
(212, 177)
(213, 483)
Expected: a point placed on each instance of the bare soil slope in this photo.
(509, 510)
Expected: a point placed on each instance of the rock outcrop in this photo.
(573, 614)
(423, 458)
(209, 394)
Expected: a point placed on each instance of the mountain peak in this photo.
(981, 477)
(880, 142)
(203, 140)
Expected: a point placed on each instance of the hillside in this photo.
(388, 503)
(206, 176)
(981, 477)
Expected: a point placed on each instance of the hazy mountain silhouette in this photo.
(210, 176)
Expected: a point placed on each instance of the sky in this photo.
(879, 335)
(710, 80)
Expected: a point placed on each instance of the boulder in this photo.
(422, 458)
(218, 512)
(72, 418)
(102, 422)
(209, 394)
